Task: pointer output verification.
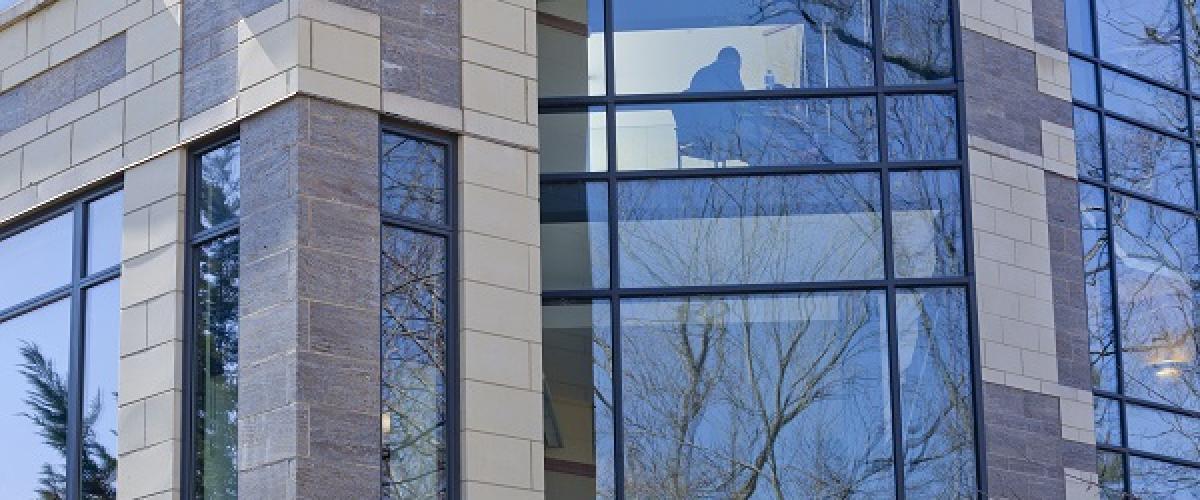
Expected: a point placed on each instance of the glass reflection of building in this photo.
(753, 257)
(1135, 131)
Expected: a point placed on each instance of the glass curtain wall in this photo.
(1134, 78)
(59, 350)
(756, 279)
(418, 330)
(214, 201)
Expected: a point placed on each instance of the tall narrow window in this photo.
(213, 343)
(417, 317)
(59, 349)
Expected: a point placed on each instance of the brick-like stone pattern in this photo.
(422, 49)
(1024, 454)
(210, 40)
(1050, 23)
(1066, 265)
(62, 84)
(1003, 101)
(309, 387)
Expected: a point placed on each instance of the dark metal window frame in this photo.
(76, 291)
(448, 231)
(611, 177)
(194, 239)
(1109, 189)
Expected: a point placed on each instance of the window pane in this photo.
(1147, 103)
(746, 133)
(718, 45)
(414, 178)
(219, 193)
(573, 142)
(1142, 36)
(715, 387)
(1097, 280)
(1083, 80)
(414, 364)
(927, 238)
(102, 351)
(36, 260)
(574, 236)
(1148, 162)
(216, 358)
(1087, 143)
(1153, 479)
(1156, 269)
(35, 359)
(922, 127)
(570, 41)
(1079, 26)
(733, 230)
(1163, 433)
(935, 388)
(1111, 469)
(104, 232)
(577, 361)
(916, 42)
(1108, 422)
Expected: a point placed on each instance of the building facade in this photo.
(599, 249)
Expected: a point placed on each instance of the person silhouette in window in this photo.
(710, 131)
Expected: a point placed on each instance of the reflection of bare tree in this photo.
(217, 366)
(413, 178)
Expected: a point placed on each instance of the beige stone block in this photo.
(1002, 357)
(494, 92)
(135, 11)
(152, 274)
(485, 491)
(537, 465)
(151, 470)
(999, 302)
(337, 88)
(209, 119)
(131, 427)
(1039, 365)
(497, 360)
(336, 14)
(165, 222)
(500, 214)
(153, 38)
(422, 111)
(102, 166)
(97, 133)
(128, 84)
(262, 21)
(46, 156)
(345, 53)
(268, 54)
(133, 329)
(502, 129)
(501, 311)
(497, 460)
(163, 138)
(494, 22)
(152, 108)
(72, 45)
(51, 24)
(12, 44)
(493, 165)
(163, 417)
(25, 69)
(88, 12)
(499, 58)
(23, 135)
(10, 173)
(154, 180)
(163, 315)
(75, 110)
(149, 372)
(263, 94)
(17, 203)
(137, 148)
(495, 261)
(167, 65)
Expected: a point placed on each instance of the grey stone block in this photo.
(268, 385)
(341, 331)
(337, 382)
(339, 279)
(272, 437)
(272, 331)
(1050, 23)
(346, 437)
(1023, 443)
(266, 282)
(341, 228)
(270, 230)
(338, 177)
(322, 480)
(209, 83)
(62, 84)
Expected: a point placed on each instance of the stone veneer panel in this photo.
(309, 389)
(62, 84)
(421, 49)
(1066, 264)
(1022, 461)
(1050, 23)
(210, 40)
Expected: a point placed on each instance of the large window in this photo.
(212, 345)
(418, 339)
(1134, 78)
(59, 349)
(756, 278)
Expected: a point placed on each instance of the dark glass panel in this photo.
(216, 377)
(1156, 269)
(1079, 26)
(218, 188)
(1107, 414)
(1142, 36)
(104, 232)
(922, 127)
(927, 238)
(1150, 104)
(746, 133)
(719, 45)
(736, 230)
(102, 340)
(570, 41)
(414, 178)
(573, 142)
(574, 236)
(1083, 81)
(1151, 479)
(935, 389)
(916, 42)
(35, 359)
(1163, 433)
(36, 260)
(577, 362)
(1111, 470)
(1097, 281)
(414, 364)
(780, 396)
(1087, 144)
(1148, 162)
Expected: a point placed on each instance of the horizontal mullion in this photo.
(416, 225)
(214, 233)
(1145, 454)
(1131, 74)
(750, 95)
(100, 277)
(1105, 112)
(35, 303)
(1147, 404)
(815, 286)
(873, 167)
(1126, 192)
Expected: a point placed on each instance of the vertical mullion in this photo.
(614, 266)
(75, 406)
